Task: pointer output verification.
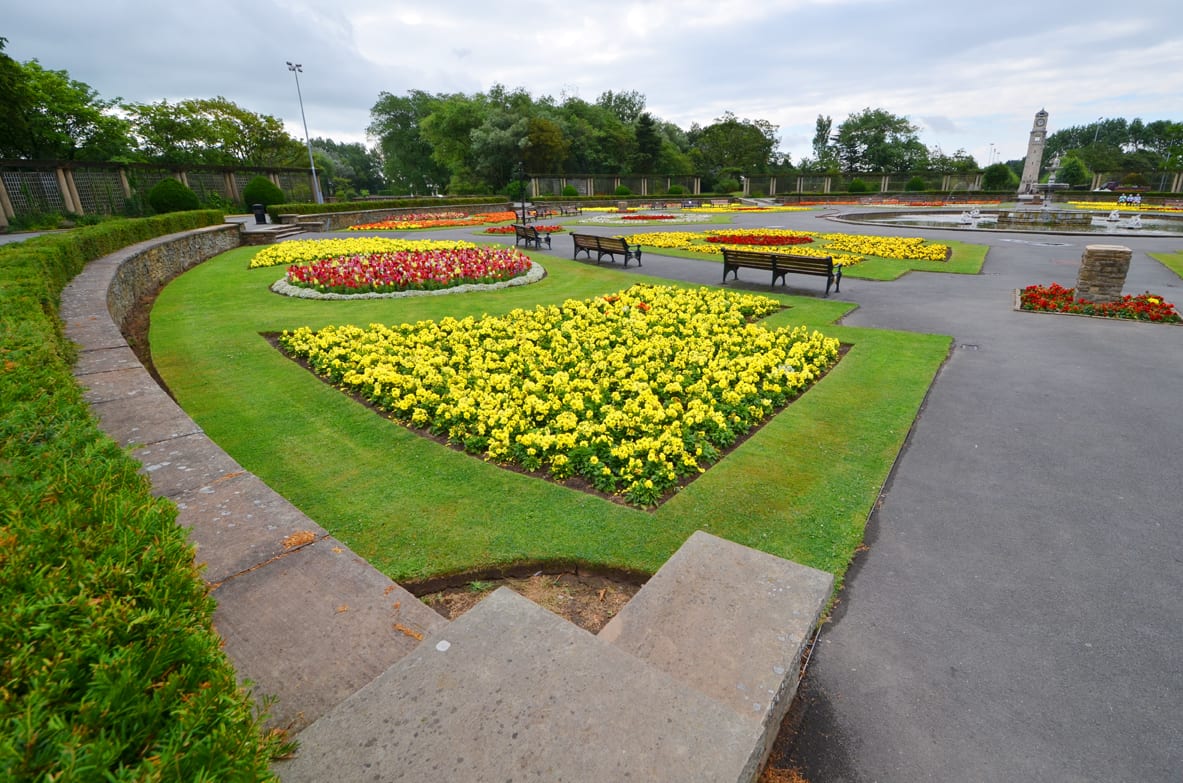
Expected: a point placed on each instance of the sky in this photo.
(968, 75)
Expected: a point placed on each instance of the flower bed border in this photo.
(533, 275)
(1018, 307)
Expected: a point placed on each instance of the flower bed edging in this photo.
(536, 273)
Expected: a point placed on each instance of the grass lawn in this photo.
(1172, 261)
(801, 487)
(967, 259)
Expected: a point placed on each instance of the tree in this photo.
(211, 131)
(825, 155)
(649, 144)
(358, 167)
(876, 140)
(744, 145)
(408, 159)
(625, 106)
(52, 116)
(1074, 172)
(998, 176)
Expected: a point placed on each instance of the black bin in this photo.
(260, 213)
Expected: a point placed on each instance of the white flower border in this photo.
(533, 275)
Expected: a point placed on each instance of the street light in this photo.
(521, 174)
(296, 70)
(1097, 129)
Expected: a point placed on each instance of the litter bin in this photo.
(260, 213)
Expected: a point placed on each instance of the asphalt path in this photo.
(1017, 614)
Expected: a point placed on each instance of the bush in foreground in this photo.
(110, 668)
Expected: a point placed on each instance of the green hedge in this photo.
(304, 208)
(109, 667)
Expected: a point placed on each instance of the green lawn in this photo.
(802, 487)
(967, 259)
(1172, 261)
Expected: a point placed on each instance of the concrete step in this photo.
(730, 622)
(689, 682)
(510, 691)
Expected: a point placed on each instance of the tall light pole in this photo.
(1097, 129)
(296, 70)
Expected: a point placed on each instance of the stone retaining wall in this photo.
(145, 268)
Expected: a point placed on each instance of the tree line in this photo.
(481, 143)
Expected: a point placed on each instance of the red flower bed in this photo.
(649, 217)
(509, 229)
(417, 269)
(1056, 298)
(768, 240)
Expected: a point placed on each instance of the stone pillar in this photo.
(1102, 272)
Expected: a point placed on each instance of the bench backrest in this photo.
(613, 243)
(824, 264)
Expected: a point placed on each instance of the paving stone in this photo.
(191, 462)
(148, 418)
(93, 331)
(729, 621)
(238, 523)
(126, 383)
(119, 357)
(314, 626)
(510, 691)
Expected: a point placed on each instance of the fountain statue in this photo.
(1114, 216)
(1135, 222)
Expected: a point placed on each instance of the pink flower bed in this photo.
(411, 270)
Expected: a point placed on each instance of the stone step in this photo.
(690, 681)
(730, 622)
(510, 691)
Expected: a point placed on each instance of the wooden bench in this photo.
(781, 264)
(605, 246)
(570, 209)
(530, 235)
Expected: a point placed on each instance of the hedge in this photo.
(109, 666)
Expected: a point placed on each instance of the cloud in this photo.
(969, 76)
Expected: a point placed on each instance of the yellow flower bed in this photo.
(731, 208)
(306, 251)
(633, 392)
(846, 249)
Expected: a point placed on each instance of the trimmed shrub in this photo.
(726, 185)
(261, 190)
(570, 190)
(676, 190)
(915, 185)
(857, 186)
(172, 195)
(622, 190)
(109, 666)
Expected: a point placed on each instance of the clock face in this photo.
(1039, 121)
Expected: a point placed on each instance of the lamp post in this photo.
(521, 172)
(296, 70)
(1097, 129)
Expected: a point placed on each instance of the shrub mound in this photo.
(170, 195)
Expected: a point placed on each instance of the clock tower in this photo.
(1034, 153)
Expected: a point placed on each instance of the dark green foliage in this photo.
(109, 667)
(676, 190)
(915, 185)
(1137, 180)
(1074, 172)
(858, 186)
(262, 190)
(999, 176)
(570, 190)
(726, 185)
(172, 195)
(622, 190)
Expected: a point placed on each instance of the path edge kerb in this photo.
(279, 580)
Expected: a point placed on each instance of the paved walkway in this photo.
(1017, 615)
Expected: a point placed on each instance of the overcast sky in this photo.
(969, 75)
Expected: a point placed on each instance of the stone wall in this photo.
(1102, 272)
(145, 268)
